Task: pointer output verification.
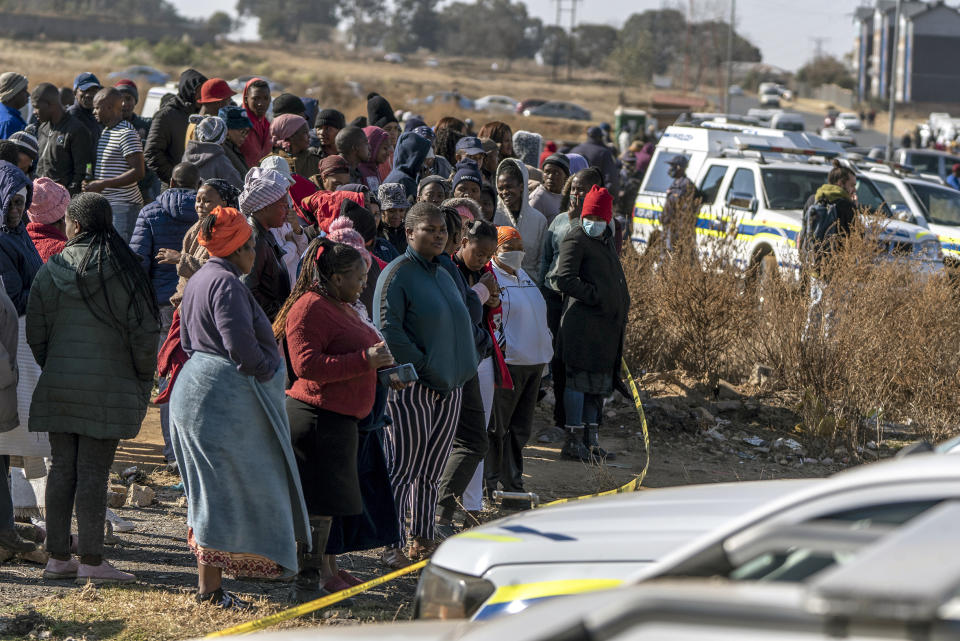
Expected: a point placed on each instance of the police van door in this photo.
(711, 223)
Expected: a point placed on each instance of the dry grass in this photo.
(322, 71)
(889, 350)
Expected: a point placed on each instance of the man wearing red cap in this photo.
(215, 94)
(591, 279)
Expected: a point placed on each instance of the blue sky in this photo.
(781, 28)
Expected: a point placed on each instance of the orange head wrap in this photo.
(506, 234)
(230, 231)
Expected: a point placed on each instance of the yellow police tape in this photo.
(312, 606)
(316, 604)
(637, 481)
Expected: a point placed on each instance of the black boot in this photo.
(574, 447)
(307, 585)
(592, 441)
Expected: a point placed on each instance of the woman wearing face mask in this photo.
(576, 188)
(333, 355)
(591, 279)
(527, 346)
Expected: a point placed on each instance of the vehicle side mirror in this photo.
(742, 200)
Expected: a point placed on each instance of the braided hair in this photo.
(228, 193)
(315, 270)
(107, 253)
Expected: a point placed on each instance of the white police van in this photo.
(754, 183)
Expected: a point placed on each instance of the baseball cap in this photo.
(128, 87)
(470, 145)
(215, 90)
(679, 161)
(85, 81)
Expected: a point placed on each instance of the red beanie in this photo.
(598, 202)
(549, 149)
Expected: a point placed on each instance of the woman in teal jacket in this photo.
(93, 325)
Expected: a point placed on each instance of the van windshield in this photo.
(790, 188)
(942, 204)
(659, 179)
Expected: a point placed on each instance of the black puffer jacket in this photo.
(594, 288)
(168, 130)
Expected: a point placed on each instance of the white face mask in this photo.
(512, 259)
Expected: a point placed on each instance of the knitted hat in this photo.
(287, 103)
(379, 111)
(212, 129)
(261, 188)
(128, 87)
(331, 118)
(549, 148)
(50, 200)
(598, 202)
(467, 169)
(527, 147)
(560, 160)
(235, 117)
(361, 219)
(333, 165)
(429, 180)
(392, 196)
(11, 83)
(341, 231)
(27, 143)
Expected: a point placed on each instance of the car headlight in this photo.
(442, 594)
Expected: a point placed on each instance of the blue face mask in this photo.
(594, 228)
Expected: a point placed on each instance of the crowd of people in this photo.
(349, 324)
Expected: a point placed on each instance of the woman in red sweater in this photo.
(332, 356)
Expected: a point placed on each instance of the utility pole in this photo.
(818, 47)
(556, 49)
(893, 80)
(573, 24)
(726, 90)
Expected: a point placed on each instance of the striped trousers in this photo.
(417, 447)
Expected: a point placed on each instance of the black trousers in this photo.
(470, 445)
(513, 422)
(557, 370)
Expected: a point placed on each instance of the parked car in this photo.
(431, 62)
(394, 58)
(770, 100)
(529, 103)
(148, 75)
(507, 565)
(238, 83)
(151, 104)
(735, 90)
(445, 97)
(788, 121)
(503, 104)
(559, 109)
(848, 121)
(927, 161)
(835, 135)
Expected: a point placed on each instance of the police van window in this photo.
(742, 185)
(942, 205)
(711, 183)
(869, 197)
(924, 163)
(790, 188)
(659, 179)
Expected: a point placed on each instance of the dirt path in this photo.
(160, 606)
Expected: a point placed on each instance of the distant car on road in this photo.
(559, 109)
(769, 100)
(431, 62)
(848, 121)
(504, 104)
(735, 90)
(149, 75)
(835, 135)
(448, 97)
(394, 58)
(529, 103)
(238, 83)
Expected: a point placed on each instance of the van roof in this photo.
(715, 138)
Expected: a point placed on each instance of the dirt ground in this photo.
(695, 438)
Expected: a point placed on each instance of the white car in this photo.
(848, 121)
(771, 99)
(504, 104)
(394, 58)
(505, 566)
(835, 135)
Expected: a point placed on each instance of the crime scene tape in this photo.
(637, 481)
(316, 604)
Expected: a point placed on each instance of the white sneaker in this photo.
(119, 524)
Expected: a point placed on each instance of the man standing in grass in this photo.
(119, 162)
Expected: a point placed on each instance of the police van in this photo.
(754, 183)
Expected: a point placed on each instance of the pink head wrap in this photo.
(50, 200)
(341, 231)
(283, 127)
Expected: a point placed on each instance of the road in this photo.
(812, 121)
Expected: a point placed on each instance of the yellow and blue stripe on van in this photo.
(510, 599)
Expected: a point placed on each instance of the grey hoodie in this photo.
(211, 159)
(531, 224)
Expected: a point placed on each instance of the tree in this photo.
(367, 21)
(825, 70)
(415, 24)
(593, 43)
(220, 23)
(290, 20)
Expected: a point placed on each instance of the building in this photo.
(928, 40)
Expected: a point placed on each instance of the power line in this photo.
(818, 46)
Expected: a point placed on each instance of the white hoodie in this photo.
(531, 224)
